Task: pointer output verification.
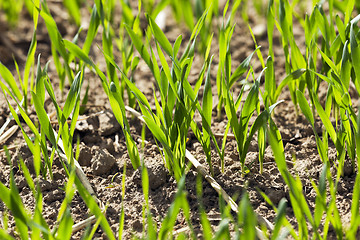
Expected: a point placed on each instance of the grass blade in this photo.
(9, 79)
(292, 76)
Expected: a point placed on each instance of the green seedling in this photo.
(58, 49)
(205, 223)
(73, 8)
(38, 142)
(212, 7)
(226, 31)
(240, 125)
(129, 61)
(63, 139)
(111, 185)
(294, 60)
(151, 230)
(12, 10)
(116, 101)
(180, 203)
(355, 214)
(282, 226)
(22, 93)
(246, 219)
(170, 127)
(298, 201)
(122, 213)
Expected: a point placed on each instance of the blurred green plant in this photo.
(12, 10)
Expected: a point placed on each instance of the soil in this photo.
(103, 154)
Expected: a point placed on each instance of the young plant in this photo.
(355, 214)
(240, 125)
(171, 127)
(122, 213)
(33, 225)
(338, 74)
(22, 93)
(246, 219)
(322, 145)
(225, 80)
(298, 201)
(125, 46)
(58, 48)
(294, 60)
(61, 141)
(12, 10)
(64, 140)
(282, 227)
(73, 8)
(212, 7)
(226, 31)
(180, 203)
(205, 223)
(39, 141)
(116, 101)
(147, 218)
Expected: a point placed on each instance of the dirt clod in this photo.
(24, 153)
(85, 155)
(102, 161)
(108, 124)
(157, 176)
(275, 195)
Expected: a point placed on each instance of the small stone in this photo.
(157, 174)
(53, 196)
(58, 176)
(83, 126)
(234, 156)
(45, 185)
(259, 30)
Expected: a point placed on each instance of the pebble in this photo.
(259, 30)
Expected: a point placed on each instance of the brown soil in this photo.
(103, 153)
